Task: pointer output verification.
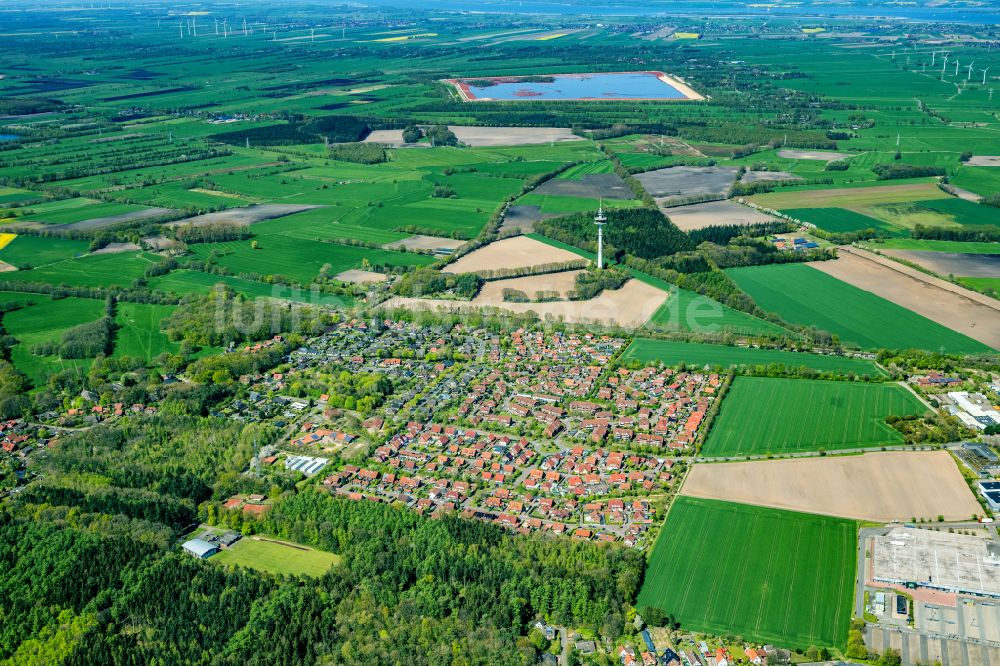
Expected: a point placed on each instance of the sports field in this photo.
(277, 557)
(693, 354)
(762, 415)
(798, 293)
(766, 575)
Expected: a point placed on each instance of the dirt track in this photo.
(882, 486)
(960, 309)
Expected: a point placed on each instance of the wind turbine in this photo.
(933, 57)
(194, 24)
(984, 75)
(944, 66)
(244, 26)
(956, 66)
(312, 34)
(968, 76)
(216, 26)
(180, 26)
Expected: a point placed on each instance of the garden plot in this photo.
(714, 214)
(588, 186)
(952, 263)
(517, 252)
(959, 309)
(682, 181)
(881, 486)
(245, 216)
(821, 155)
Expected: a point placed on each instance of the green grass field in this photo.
(937, 246)
(139, 332)
(184, 281)
(38, 251)
(277, 558)
(693, 354)
(804, 295)
(765, 575)
(763, 415)
(838, 220)
(48, 320)
(95, 270)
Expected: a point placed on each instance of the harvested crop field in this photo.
(763, 574)
(487, 136)
(682, 181)
(589, 186)
(359, 276)
(881, 487)
(822, 155)
(523, 217)
(768, 177)
(962, 310)
(118, 248)
(765, 415)
(628, 307)
(244, 216)
(426, 243)
(714, 214)
(984, 161)
(561, 283)
(952, 263)
(517, 252)
(112, 220)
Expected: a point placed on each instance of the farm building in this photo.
(955, 563)
(991, 491)
(200, 548)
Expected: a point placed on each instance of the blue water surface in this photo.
(627, 85)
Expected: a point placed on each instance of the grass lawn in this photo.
(804, 295)
(763, 574)
(673, 353)
(139, 331)
(762, 415)
(276, 557)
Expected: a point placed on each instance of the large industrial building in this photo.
(958, 563)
